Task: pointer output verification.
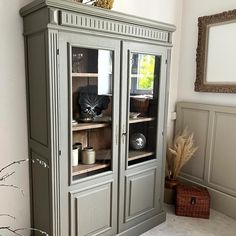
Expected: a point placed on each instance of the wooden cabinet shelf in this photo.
(83, 169)
(103, 158)
(92, 125)
(140, 119)
(134, 155)
(91, 75)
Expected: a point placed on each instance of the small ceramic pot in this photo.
(88, 156)
(75, 156)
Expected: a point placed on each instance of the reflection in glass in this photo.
(144, 88)
(144, 69)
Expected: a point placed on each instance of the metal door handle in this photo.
(124, 134)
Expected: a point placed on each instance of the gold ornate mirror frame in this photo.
(205, 24)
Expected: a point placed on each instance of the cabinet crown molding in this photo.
(76, 15)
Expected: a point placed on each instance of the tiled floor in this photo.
(217, 225)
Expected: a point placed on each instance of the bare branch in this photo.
(32, 229)
(12, 186)
(4, 177)
(7, 215)
(8, 228)
(13, 163)
(15, 231)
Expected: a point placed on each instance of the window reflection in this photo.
(144, 69)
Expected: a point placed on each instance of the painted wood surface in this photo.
(214, 162)
(50, 28)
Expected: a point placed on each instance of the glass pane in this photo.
(92, 75)
(144, 88)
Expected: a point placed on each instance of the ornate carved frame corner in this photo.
(203, 29)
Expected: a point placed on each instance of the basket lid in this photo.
(192, 191)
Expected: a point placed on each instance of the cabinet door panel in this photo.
(37, 83)
(91, 212)
(40, 191)
(140, 194)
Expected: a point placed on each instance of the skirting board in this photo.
(145, 226)
(221, 202)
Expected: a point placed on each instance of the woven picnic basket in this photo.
(192, 201)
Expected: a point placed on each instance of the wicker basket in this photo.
(192, 201)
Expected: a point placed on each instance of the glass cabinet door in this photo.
(89, 133)
(144, 77)
(142, 127)
(91, 111)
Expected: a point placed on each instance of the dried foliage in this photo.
(5, 174)
(181, 152)
(108, 4)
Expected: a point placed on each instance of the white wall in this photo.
(192, 9)
(13, 125)
(13, 129)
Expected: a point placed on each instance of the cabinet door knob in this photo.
(123, 137)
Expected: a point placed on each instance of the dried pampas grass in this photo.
(181, 152)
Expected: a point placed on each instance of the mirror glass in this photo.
(221, 54)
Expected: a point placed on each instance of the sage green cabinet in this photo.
(97, 92)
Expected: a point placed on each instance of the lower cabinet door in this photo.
(92, 212)
(141, 198)
(140, 194)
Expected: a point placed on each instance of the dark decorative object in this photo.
(204, 24)
(140, 105)
(91, 105)
(137, 141)
(193, 201)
